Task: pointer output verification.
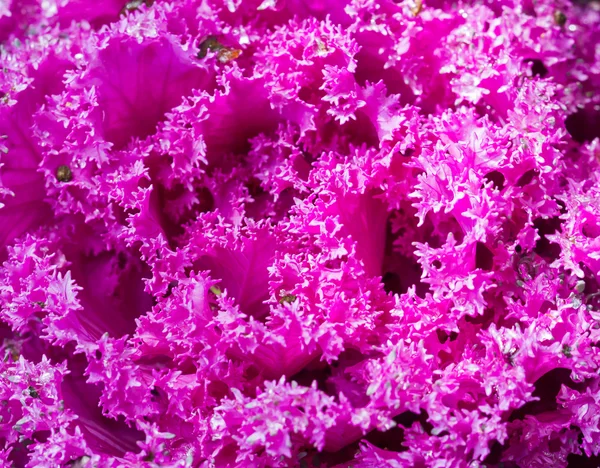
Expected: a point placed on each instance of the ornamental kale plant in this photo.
(300, 233)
